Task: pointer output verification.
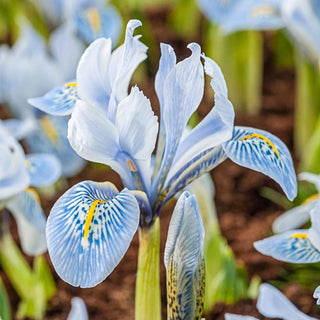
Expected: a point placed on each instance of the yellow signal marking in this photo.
(34, 193)
(70, 84)
(260, 136)
(299, 236)
(90, 217)
(94, 19)
(49, 128)
(314, 197)
(263, 9)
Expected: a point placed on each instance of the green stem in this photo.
(148, 298)
(307, 106)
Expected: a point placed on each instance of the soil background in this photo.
(244, 215)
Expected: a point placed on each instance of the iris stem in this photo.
(148, 298)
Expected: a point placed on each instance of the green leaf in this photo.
(5, 312)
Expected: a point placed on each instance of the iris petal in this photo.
(31, 222)
(59, 101)
(261, 151)
(292, 246)
(184, 260)
(316, 294)
(273, 304)
(89, 230)
(310, 177)
(78, 310)
(43, 169)
(94, 23)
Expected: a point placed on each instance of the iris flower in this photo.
(238, 15)
(298, 216)
(273, 304)
(296, 246)
(18, 173)
(91, 225)
(37, 74)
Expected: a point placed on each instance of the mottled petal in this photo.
(261, 151)
(292, 246)
(93, 23)
(78, 310)
(229, 316)
(43, 169)
(31, 221)
(89, 230)
(184, 260)
(59, 101)
(273, 304)
(254, 15)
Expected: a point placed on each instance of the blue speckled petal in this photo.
(261, 151)
(184, 260)
(94, 23)
(59, 101)
(273, 304)
(43, 169)
(89, 230)
(31, 221)
(292, 246)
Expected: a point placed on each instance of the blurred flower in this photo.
(78, 310)
(296, 246)
(17, 174)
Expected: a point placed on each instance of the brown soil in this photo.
(244, 215)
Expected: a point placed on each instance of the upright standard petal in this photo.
(92, 74)
(43, 169)
(184, 260)
(261, 151)
(273, 304)
(124, 61)
(293, 246)
(31, 221)
(182, 92)
(89, 230)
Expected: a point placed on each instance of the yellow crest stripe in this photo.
(90, 217)
(49, 128)
(94, 19)
(260, 136)
(314, 197)
(299, 236)
(70, 84)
